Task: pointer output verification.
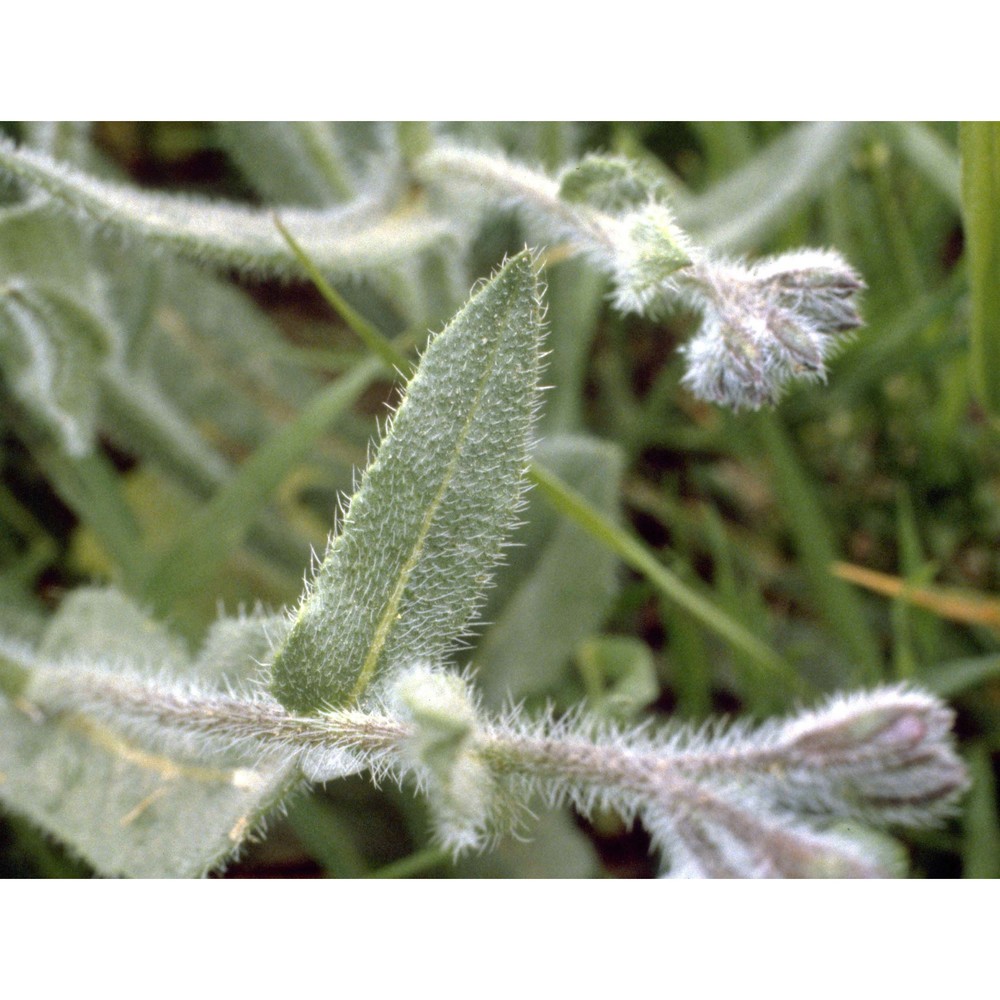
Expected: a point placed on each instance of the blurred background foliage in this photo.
(853, 529)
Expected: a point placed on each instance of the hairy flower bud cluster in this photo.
(885, 756)
(767, 323)
(760, 804)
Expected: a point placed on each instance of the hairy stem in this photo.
(152, 710)
(742, 802)
(505, 180)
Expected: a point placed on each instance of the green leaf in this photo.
(929, 155)
(96, 624)
(40, 245)
(817, 549)
(216, 354)
(637, 555)
(21, 616)
(290, 163)
(207, 376)
(92, 489)
(948, 680)
(754, 201)
(550, 846)
(51, 350)
(127, 808)
(326, 836)
(980, 146)
(561, 580)
(404, 575)
(576, 295)
(612, 184)
(619, 675)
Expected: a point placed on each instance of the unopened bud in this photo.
(443, 748)
(651, 249)
(719, 834)
(887, 755)
(767, 324)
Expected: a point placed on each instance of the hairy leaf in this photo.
(641, 248)
(51, 350)
(126, 807)
(404, 575)
(611, 183)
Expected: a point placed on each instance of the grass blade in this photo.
(635, 554)
(980, 145)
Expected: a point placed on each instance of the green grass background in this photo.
(892, 466)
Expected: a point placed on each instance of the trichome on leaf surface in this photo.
(462, 636)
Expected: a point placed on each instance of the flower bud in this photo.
(651, 249)
(766, 324)
(442, 748)
(886, 755)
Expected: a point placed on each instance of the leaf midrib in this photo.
(388, 616)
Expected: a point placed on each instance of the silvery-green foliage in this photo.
(156, 356)
(148, 760)
(407, 567)
(722, 803)
(764, 323)
(612, 184)
(166, 361)
(615, 212)
(719, 803)
(443, 752)
(55, 334)
(637, 243)
(51, 351)
(138, 802)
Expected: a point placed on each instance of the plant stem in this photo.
(505, 180)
